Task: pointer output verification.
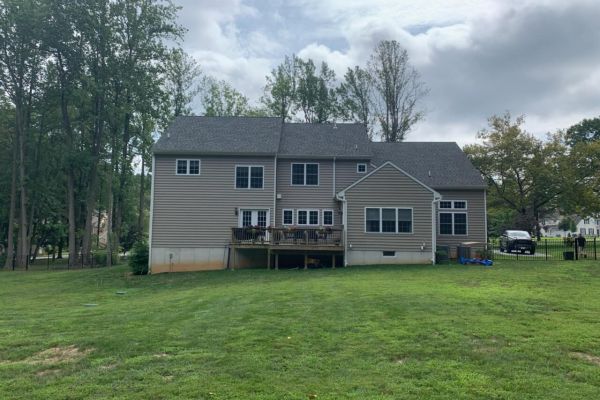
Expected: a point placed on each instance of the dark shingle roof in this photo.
(231, 135)
(447, 163)
(325, 140)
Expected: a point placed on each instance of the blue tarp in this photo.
(464, 260)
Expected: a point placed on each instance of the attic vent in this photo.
(429, 172)
(355, 147)
(334, 125)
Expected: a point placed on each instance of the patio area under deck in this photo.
(310, 242)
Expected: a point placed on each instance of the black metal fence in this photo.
(549, 249)
(53, 262)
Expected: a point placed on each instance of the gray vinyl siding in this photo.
(345, 172)
(305, 197)
(389, 187)
(475, 216)
(199, 210)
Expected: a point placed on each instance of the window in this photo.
(586, 221)
(308, 217)
(187, 167)
(455, 204)
(361, 168)
(389, 254)
(388, 220)
(305, 174)
(288, 217)
(372, 219)
(249, 177)
(453, 223)
(591, 231)
(327, 217)
(582, 231)
(404, 220)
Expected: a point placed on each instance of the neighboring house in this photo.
(241, 192)
(588, 226)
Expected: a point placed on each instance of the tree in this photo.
(220, 99)
(280, 91)
(525, 174)
(587, 130)
(398, 90)
(355, 97)
(182, 74)
(316, 95)
(567, 224)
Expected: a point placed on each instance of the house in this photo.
(250, 191)
(587, 226)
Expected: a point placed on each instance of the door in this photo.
(255, 218)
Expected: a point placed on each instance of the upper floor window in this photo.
(453, 204)
(586, 221)
(308, 217)
(361, 168)
(188, 167)
(453, 223)
(288, 217)
(327, 217)
(305, 174)
(388, 220)
(249, 177)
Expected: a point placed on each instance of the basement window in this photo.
(389, 254)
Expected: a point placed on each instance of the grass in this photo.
(513, 331)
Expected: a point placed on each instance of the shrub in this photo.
(138, 261)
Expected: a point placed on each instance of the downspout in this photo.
(151, 215)
(274, 190)
(485, 227)
(436, 198)
(334, 177)
(342, 198)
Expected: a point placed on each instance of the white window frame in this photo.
(250, 166)
(453, 206)
(304, 180)
(439, 224)
(412, 221)
(323, 217)
(308, 210)
(358, 171)
(283, 216)
(187, 166)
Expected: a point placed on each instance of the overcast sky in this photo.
(540, 58)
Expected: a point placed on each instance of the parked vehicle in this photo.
(517, 241)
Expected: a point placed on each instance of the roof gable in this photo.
(381, 167)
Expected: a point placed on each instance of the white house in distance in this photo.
(588, 226)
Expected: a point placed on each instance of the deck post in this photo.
(305, 260)
(268, 257)
(333, 261)
(276, 260)
(233, 257)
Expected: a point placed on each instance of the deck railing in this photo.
(288, 236)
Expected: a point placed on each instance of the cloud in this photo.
(478, 57)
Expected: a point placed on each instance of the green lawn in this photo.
(513, 331)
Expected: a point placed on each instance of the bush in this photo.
(101, 256)
(138, 261)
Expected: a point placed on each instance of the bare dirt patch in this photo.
(56, 355)
(586, 357)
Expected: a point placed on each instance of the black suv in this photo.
(517, 240)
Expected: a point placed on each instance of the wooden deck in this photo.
(297, 239)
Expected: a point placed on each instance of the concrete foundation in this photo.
(203, 259)
(187, 259)
(366, 257)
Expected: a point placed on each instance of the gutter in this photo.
(151, 215)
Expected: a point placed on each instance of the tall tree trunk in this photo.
(72, 221)
(23, 245)
(109, 208)
(10, 246)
